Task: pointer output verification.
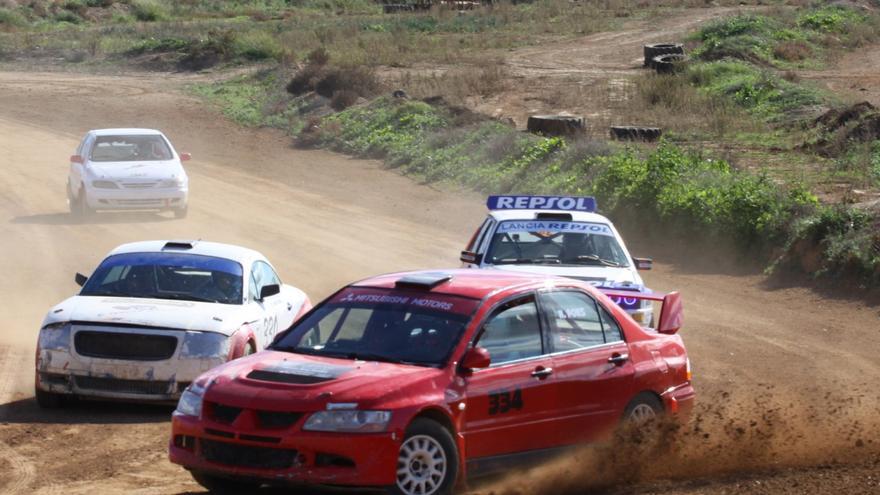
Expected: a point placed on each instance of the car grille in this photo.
(246, 456)
(277, 420)
(141, 387)
(139, 185)
(127, 346)
(224, 414)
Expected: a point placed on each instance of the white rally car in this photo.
(155, 315)
(558, 235)
(125, 169)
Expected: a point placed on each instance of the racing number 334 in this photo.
(502, 401)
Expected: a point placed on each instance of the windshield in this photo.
(555, 242)
(167, 276)
(383, 325)
(148, 147)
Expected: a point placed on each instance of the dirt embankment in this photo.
(801, 367)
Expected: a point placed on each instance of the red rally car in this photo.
(417, 381)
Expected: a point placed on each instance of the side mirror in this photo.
(471, 257)
(672, 314)
(643, 263)
(185, 157)
(476, 358)
(80, 279)
(269, 291)
(76, 159)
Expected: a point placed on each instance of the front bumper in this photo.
(288, 456)
(137, 199)
(65, 372)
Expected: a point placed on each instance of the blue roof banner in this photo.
(564, 203)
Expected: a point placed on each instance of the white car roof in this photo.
(577, 216)
(124, 132)
(237, 253)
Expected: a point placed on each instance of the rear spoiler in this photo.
(671, 314)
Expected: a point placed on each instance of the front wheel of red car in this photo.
(427, 463)
(224, 486)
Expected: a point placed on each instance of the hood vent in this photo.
(274, 376)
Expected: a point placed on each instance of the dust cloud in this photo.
(728, 434)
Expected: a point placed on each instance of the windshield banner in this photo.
(428, 301)
(554, 227)
(565, 203)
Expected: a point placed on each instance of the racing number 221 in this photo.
(502, 401)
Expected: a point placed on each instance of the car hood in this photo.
(280, 380)
(183, 315)
(158, 170)
(597, 275)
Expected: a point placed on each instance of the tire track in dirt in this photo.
(23, 469)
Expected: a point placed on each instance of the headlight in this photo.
(205, 345)
(55, 336)
(104, 184)
(190, 403)
(348, 421)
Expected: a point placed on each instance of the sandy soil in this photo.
(787, 378)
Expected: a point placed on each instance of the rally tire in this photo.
(224, 486)
(79, 206)
(49, 400)
(670, 64)
(657, 49)
(427, 462)
(181, 212)
(644, 408)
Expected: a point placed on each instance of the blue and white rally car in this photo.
(559, 235)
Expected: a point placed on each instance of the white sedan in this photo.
(125, 169)
(155, 315)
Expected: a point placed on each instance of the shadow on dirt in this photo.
(97, 219)
(299, 490)
(26, 411)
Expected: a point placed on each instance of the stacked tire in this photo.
(556, 125)
(670, 63)
(659, 49)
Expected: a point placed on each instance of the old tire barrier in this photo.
(556, 125)
(670, 64)
(635, 133)
(658, 49)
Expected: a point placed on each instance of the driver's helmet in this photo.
(224, 281)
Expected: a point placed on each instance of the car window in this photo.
(381, 324)
(610, 326)
(555, 242)
(574, 320)
(167, 276)
(269, 275)
(513, 332)
(129, 148)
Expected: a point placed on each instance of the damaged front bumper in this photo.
(124, 363)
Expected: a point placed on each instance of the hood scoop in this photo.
(298, 373)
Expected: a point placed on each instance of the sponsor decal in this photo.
(566, 203)
(554, 226)
(368, 296)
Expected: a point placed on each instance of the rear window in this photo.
(383, 325)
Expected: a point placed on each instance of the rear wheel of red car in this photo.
(427, 463)
(220, 485)
(644, 408)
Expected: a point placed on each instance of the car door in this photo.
(591, 364)
(274, 309)
(510, 404)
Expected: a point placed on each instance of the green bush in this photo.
(9, 17)
(149, 10)
(829, 19)
(258, 45)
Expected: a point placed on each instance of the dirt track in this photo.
(786, 377)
